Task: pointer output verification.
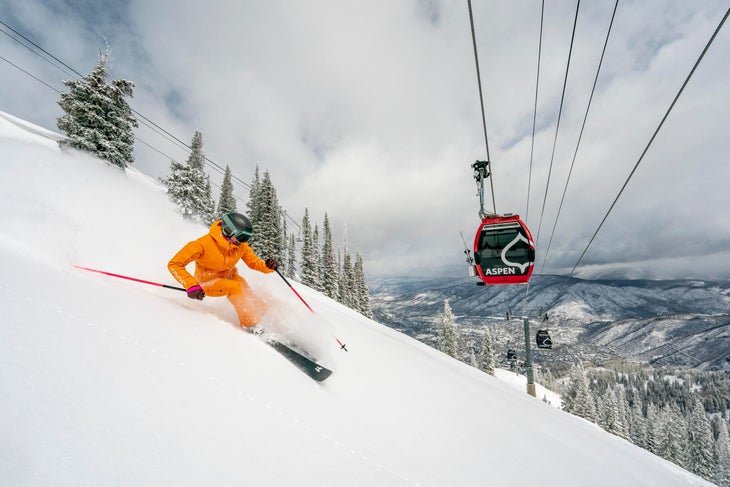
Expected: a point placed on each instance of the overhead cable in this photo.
(580, 137)
(534, 113)
(145, 120)
(481, 100)
(557, 125)
(671, 106)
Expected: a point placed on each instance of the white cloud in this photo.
(370, 111)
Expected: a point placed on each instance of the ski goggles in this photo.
(229, 231)
(241, 236)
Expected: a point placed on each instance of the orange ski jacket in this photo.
(215, 258)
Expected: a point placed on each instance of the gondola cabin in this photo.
(543, 339)
(504, 252)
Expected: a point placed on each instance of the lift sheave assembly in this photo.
(504, 252)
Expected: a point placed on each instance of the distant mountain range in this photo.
(665, 323)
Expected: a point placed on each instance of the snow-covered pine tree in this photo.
(571, 389)
(266, 240)
(347, 281)
(486, 354)
(189, 187)
(283, 241)
(183, 190)
(546, 378)
(700, 443)
(204, 211)
(722, 454)
(226, 202)
(446, 324)
(578, 399)
(196, 159)
(637, 425)
(653, 429)
(672, 442)
(290, 269)
(330, 275)
(361, 287)
(316, 259)
(207, 211)
(600, 402)
(254, 215)
(97, 117)
(623, 417)
(610, 412)
(585, 402)
(309, 253)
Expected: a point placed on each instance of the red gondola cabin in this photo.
(504, 252)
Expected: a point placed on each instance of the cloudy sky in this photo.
(369, 111)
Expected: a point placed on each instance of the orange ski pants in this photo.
(249, 307)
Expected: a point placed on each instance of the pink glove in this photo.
(196, 292)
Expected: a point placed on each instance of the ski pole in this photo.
(129, 278)
(295, 291)
(342, 345)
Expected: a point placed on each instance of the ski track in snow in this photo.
(233, 390)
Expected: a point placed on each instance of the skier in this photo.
(215, 256)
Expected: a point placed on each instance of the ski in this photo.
(303, 362)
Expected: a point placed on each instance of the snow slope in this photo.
(109, 382)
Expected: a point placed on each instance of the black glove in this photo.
(272, 264)
(196, 292)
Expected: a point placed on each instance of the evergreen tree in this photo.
(615, 415)
(254, 215)
(579, 399)
(226, 202)
(184, 190)
(284, 242)
(486, 355)
(446, 324)
(672, 443)
(547, 379)
(638, 426)
(316, 260)
(347, 281)
(330, 275)
(700, 458)
(189, 187)
(653, 429)
(196, 158)
(207, 209)
(290, 270)
(722, 454)
(266, 240)
(97, 118)
(571, 390)
(340, 283)
(622, 413)
(204, 210)
(361, 288)
(309, 253)
(610, 412)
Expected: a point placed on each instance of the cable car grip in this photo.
(481, 172)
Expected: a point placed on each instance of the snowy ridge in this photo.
(600, 317)
(28, 131)
(108, 382)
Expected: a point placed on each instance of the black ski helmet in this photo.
(237, 225)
